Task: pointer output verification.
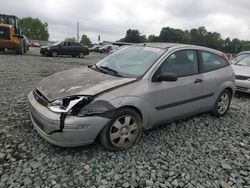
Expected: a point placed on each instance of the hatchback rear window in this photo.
(212, 61)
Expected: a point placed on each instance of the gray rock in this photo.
(98, 178)
(126, 184)
(103, 181)
(225, 185)
(175, 183)
(2, 185)
(226, 166)
(27, 170)
(243, 173)
(9, 150)
(34, 164)
(171, 173)
(116, 177)
(149, 183)
(101, 186)
(27, 180)
(187, 177)
(57, 186)
(2, 156)
(52, 177)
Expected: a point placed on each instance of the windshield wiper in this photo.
(110, 70)
(97, 68)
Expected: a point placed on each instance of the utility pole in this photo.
(77, 32)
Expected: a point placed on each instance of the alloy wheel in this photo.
(223, 103)
(124, 131)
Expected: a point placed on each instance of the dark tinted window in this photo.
(181, 63)
(75, 44)
(212, 61)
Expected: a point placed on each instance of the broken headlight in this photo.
(69, 104)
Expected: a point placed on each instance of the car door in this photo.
(173, 99)
(62, 48)
(75, 48)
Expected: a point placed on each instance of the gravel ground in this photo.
(202, 151)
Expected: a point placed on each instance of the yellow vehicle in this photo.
(10, 35)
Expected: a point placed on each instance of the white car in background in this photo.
(108, 48)
(242, 74)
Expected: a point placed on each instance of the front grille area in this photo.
(4, 33)
(241, 88)
(40, 98)
(241, 77)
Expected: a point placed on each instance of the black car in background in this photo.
(74, 49)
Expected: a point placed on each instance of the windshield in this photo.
(132, 61)
(56, 43)
(240, 57)
(244, 62)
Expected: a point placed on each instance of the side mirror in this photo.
(165, 77)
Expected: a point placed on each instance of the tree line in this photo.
(35, 29)
(194, 36)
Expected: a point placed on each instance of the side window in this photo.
(75, 44)
(182, 63)
(212, 61)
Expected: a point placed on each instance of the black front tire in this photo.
(124, 133)
(222, 103)
(24, 49)
(20, 48)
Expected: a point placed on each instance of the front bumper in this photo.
(77, 130)
(243, 86)
(44, 51)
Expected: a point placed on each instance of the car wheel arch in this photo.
(142, 107)
(230, 90)
(133, 108)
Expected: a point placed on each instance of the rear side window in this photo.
(212, 61)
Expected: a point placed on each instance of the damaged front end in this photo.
(70, 116)
(66, 106)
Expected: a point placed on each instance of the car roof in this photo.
(165, 45)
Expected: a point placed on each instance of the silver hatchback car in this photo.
(135, 88)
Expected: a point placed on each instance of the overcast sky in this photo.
(111, 18)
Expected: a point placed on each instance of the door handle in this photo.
(198, 80)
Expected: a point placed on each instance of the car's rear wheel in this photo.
(123, 131)
(222, 104)
(54, 53)
(81, 55)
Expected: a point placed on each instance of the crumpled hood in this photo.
(80, 81)
(241, 70)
